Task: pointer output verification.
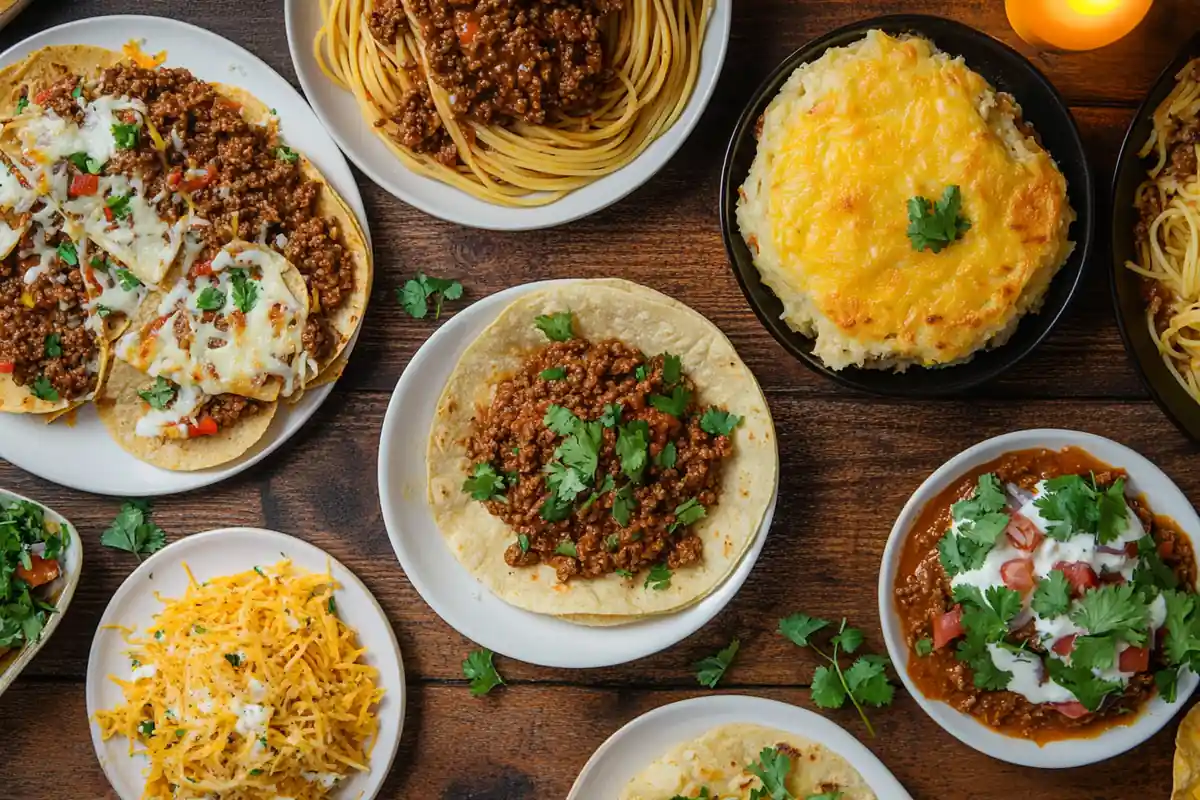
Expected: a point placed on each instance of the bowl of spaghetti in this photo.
(1156, 240)
(510, 114)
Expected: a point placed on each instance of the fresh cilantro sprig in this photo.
(711, 669)
(865, 682)
(485, 483)
(1073, 504)
(979, 521)
(718, 422)
(985, 619)
(557, 327)
(481, 671)
(160, 394)
(771, 769)
(1113, 609)
(133, 532)
(23, 612)
(416, 293)
(935, 225)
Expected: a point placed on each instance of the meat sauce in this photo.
(922, 593)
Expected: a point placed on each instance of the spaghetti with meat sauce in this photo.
(949, 658)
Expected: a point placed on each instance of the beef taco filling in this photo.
(599, 458)
(46, 343)
(1038, 595)
(186, 155)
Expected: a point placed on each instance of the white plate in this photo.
(635, 746)
(445, 584)
(339, 111)
(227, 552)
(61, 589)
(1164, 498)
(83, 456)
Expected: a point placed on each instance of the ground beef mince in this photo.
(226, 409)
(499, 61)
(923, 595)
(615, 523)
(44, 344)
(240, 176)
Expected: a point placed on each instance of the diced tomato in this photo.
(153, 328)
(1134, 659)
(200, 268)
(1064, 646)
(1166, 549)
(6, 367)
(199, 182)
(1017, 574)
(206, 426)
(947, 627)
(41, 571)
(468, 30)
(42, 96)
(108, 215)
(84, 185)
(174, 178)
(1131, 549)
(1071, 710)
(1081, 576)
(1023, 533)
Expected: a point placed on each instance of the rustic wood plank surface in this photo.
(848, 461)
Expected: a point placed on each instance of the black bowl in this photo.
(1172, 398)
(1008, 71)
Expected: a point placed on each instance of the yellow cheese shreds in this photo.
(133, 51)
(249, 687)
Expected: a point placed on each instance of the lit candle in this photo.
(1074, 24)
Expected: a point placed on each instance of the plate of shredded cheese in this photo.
(248, 665)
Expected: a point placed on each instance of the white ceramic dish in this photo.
(70, 454)
(339, 112)
(1164, 498)
(226, 552)
(457, 597)
(640, 742)
(61, 590)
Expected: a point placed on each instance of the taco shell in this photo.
(654, 323)
(717, 762)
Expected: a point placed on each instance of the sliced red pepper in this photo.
(108, 215)
(1134, 659)
(6, 367)
(947, 627)
(42, 96)
(174, 178)
(198, 183)
(41, 571)
(84, 185)
(205, 426)
(1071, 710)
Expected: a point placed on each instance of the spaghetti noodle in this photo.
(642, 60)
(1168, 234)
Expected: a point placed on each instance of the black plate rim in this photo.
(1168, 395)
(900, 384)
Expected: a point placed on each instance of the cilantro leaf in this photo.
(772, 769)
(672, 369)
(986, 675)
(67, 254)
(611, 417)
(686, 513)
(1167, 681)
(523, 543)
(988, 498)
(1181, 644)
(1113, 512)
(129, 282)
(53, 346)
(1079, 681)
(554, 374)
(849, 639)
(285, 153)
(133, 532)
(799, 627)
(160, 394)
(44, 390)
(674, 405)
(485, 483)
(711, 669)
(567, 548)
(1068, 504)
(1052, 596)
(22, 104)
(666, 457)
(125, 136)
(924, 647)
(1094, 652)
(718, 422)
(416, 293)
(118, 205)
(85, 163)
(210, 299)
(557, 327)
(633, 441)
(245, 290)
(827, 688)
(564, 482)
(934, 226)
(560, 420)
(1113, 609)
(659, 578)
(867, 680)
(479, 669)
(623, 505)
(581, 450)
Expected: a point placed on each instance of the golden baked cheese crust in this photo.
(848, 141)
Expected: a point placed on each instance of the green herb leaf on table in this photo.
(133, 532)
(711, 669)
(867, 681)
(828, 691)
(557, 327)
(850, 639)
(415, 294)
(481, 671)
(935, 225)
(799, 627)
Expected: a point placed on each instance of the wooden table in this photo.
(849, 461)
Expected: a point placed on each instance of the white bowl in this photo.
(340, 114)
(1164, 498)
(446, 585)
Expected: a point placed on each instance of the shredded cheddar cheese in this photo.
(249, 687)
(133, 51)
